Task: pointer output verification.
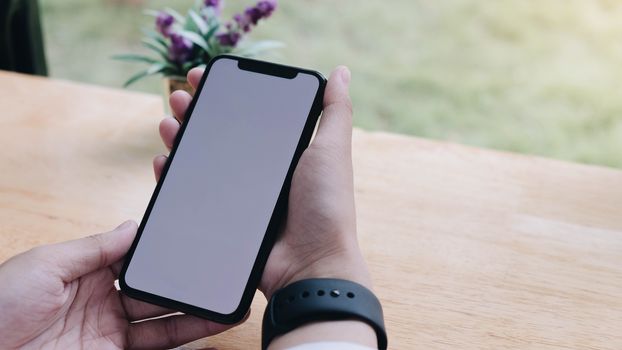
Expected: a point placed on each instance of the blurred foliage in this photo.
(538, 77)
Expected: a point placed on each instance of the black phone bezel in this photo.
(278, 214)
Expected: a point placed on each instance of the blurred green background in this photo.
(539, 77)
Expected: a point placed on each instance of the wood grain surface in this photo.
(469, 248)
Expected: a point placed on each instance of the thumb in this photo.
(79, 257)
(335, 129)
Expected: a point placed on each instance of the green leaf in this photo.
(155, 36)
(158, 67)
(135, 78)
(155, 68)
(211, 17)
(259, 47)
(136, 58)
(212, 52)
(211, 33)
(198, 21)
(212, 43)
(150, 33)
(196, 39)
(187, 66)
(190, 25)
(161, 45)
(178, 17)
(157, 47)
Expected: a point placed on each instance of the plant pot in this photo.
(171, 84)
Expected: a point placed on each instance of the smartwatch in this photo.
(321, 299)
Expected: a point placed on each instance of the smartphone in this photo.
(215, 213)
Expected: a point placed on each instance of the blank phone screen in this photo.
(205, 228)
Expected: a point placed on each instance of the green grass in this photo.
(540, 77)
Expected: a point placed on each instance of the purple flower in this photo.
(229, 38)
(215, 5)
(252, 15)
(164, 23)
(180, 49)
(266, 7)
(243, 21)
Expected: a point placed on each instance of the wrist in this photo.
(347, 264)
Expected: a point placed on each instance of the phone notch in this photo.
(268, 68)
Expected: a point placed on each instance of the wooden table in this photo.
(469, 248)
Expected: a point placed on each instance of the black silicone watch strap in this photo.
(321, 299)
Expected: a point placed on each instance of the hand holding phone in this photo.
(201, 244)
(319, 236)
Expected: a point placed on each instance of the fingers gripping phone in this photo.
(214, 215)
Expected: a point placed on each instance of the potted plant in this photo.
(180, 43)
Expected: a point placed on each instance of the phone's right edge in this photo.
(280, 210)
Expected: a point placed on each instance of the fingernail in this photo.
(126, 224)
(345, 75)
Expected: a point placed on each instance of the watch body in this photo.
(321, 299)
